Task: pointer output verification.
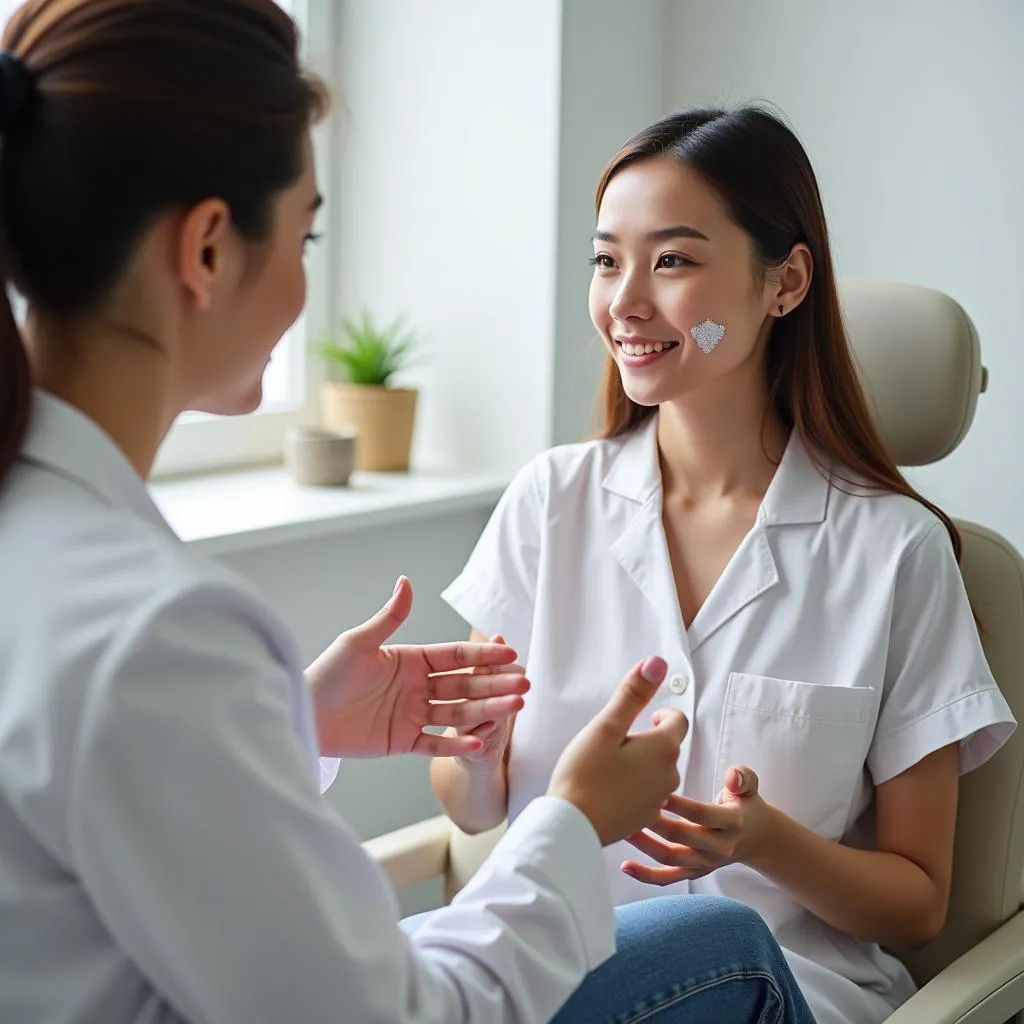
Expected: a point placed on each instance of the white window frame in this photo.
(205, 443)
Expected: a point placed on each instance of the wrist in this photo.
(766, 838)
(481, 769)
(324, 741)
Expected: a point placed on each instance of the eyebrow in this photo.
(316, 204)
(661, 235)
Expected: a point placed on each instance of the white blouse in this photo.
(836, 650)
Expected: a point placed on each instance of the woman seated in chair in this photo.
(739, 515)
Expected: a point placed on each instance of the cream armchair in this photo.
(920, 362)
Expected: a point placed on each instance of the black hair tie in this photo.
(15, 93)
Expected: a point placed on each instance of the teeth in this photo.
(646, 349)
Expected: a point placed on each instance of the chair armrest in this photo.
(984, 986)
(465, 855)
(414, 854)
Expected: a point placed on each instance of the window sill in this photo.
(225, 512)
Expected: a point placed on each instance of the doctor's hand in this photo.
(371, 700)
(621, 781)
(695, 838)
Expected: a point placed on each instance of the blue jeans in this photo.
(687, 960)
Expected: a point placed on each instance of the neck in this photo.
(721, 441)
(117, 377)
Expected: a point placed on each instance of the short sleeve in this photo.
(938, 687)
(497, 589)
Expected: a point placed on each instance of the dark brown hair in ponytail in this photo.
(134, 108)
(15, 385)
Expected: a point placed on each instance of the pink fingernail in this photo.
(654, 669)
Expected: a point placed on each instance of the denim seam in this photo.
(648, 1012)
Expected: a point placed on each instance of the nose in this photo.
(630, 300)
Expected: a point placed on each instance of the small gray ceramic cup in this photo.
(319, 458)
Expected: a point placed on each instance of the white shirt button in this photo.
(678, 683)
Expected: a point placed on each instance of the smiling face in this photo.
(675, 293)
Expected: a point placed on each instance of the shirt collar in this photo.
(65, 441)
(798, 492)
(635, 473)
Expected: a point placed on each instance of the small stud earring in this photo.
(781, 310)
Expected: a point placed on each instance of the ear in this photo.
(791, 282)
(201, 250)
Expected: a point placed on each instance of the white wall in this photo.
(449, 168)
(912, 113)
(611, 86)
(474, 135)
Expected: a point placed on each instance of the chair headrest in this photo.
(920, 365)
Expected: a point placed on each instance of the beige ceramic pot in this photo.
(319, 458)
(382, 419)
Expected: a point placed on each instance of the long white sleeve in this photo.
(198, 834)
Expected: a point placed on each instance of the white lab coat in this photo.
(165, 854)
(836, 651)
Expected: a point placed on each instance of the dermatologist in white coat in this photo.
(165, 855)
(741, 514)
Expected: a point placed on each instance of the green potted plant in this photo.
(361, 398)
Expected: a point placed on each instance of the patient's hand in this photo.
(371, 700)
(494, 735)
(695, 838)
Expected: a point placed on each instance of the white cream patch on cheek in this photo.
(707, 334)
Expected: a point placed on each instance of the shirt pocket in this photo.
(807, 742)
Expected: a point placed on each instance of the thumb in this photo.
(381, 627)
(741, 781)
(633, 694)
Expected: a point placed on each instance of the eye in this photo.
(311, 239)
(602, 261)
(673, 261)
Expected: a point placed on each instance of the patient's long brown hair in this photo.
(760, 170)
